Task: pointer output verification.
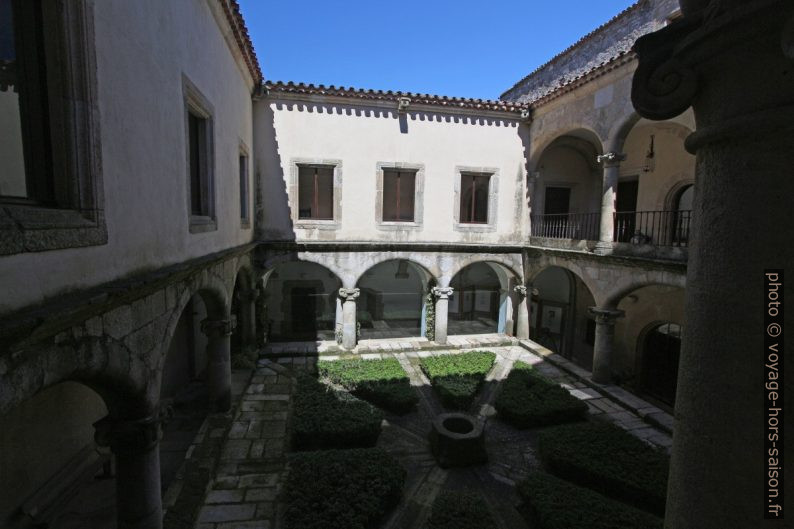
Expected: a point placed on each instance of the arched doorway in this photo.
(56, 475)
(661, 349)
(301, 302)
(479, 300)
(184, 391)
(559, 318)
(392, 298)
(682, 216)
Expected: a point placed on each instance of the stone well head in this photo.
(457, 440)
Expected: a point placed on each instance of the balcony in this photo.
(651, 234)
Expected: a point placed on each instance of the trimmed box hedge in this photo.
(341, 489)
(607, 459)
(323, 418)
(460, 510)
(384, 383)
(551, 503)
(527, 400)
(456, 378)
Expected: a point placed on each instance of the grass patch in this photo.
(607, 459)
(459, 510)
(324, 418)
(341, 489)
(527, 400)
(551, 503)
(384, 383)
(456, 378)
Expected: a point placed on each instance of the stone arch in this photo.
(627, 285)
(510, 266)
(579, 131)
(420, 262)
(572, 267)
(683, 180)
(327, 261)
(392, 299)
(620, 131)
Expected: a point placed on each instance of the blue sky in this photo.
(457, 48)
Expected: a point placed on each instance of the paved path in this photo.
(247, 478)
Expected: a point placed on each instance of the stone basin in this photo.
(458, 440)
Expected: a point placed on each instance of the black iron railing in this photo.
(580, 226)
(657, 228)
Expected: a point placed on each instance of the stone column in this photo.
(604, 342)
(606, 230)
(247, 303)
(442, 295)
(349, 327)
(522, 318)
(134, 444)
(219, 366)
(733, 62)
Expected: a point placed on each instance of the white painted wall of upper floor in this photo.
(361, 137)
(143, 49)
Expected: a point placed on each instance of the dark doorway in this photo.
(557, 201)
(660, 353)
(626, 207)
(304, 312)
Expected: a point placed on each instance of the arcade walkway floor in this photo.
(242, 455)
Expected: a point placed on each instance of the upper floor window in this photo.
(399, 189)
(315, 192)
(474, 198)
(26, 174)
(50, 166)
(200, 159)
(244, 193)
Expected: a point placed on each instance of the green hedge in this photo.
(323, 418)
(607, 459)
(456, 378)
(460, 510)
(341, 489)
(526, 400)
(381, 382)
(551, 503)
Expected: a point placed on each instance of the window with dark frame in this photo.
(399, 191)
(26, 175)
(197, 157)
(315, 192)
(474, 198)
(244, 188)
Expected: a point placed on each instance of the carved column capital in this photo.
(218, 328)
(442, 292)
(128, 436)
(606, 316)
(611, 159)
(349, 294)
(521, 290)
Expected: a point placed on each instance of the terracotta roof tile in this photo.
(381, 95)
(235, 18)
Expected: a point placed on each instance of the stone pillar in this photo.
(219, 366)
(609, 191)
(247, 303)
(732, 61)
(522, 318)
(442, 295)
(349, 327)
(604, 342)
(134, 444)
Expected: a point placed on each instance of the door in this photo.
(626, 206)
(556, 207)
(304, 313)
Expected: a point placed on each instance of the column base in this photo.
(603, 248)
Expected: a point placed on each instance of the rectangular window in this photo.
(25, 148)
(399, 190)
(197, 156)
(315, 192)
(244, 188)
(474, 198)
